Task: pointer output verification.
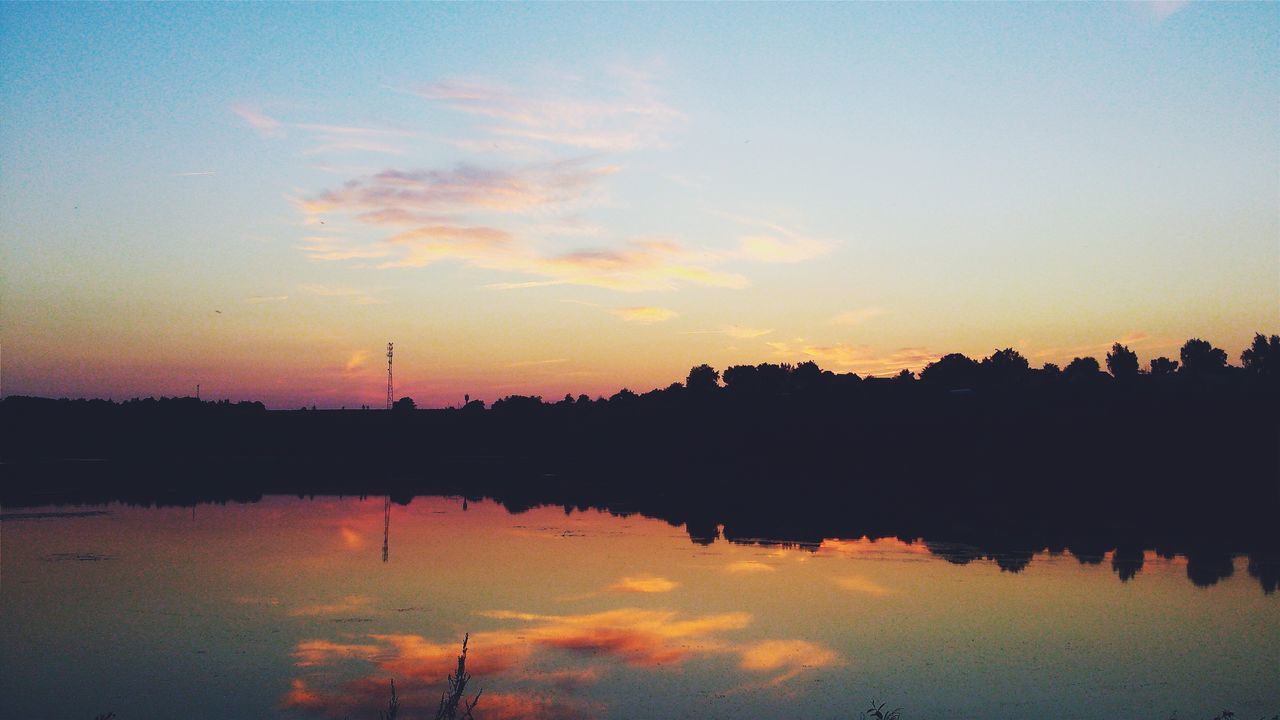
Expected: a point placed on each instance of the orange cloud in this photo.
(352, 538)
(781, 245)
(359, 697)
(637, 637)
(416, 657)
(790, 657)
(859, 358)
(857, 317)
(355, 362)
(644, 584)
(859, 584)
(748, 566)
(351, 603)
(645, 315)
(309, 653)
(427, 245)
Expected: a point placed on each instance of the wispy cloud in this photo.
(258, 299)
(857, 317)
(639, 265)
(738, 332)
(621, 114)
(644, 314)
(399, 216)
(516, 219)
(426, 245)
(335, 248)
(266, 126)
(538, 363)
(780, 245)
(770, 249)
(464, 189)
(1162, 9)
(635, 266)
(1100, 349)
(328, 138)
(203, 173)
(354, 295)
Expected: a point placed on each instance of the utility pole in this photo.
(390, 386)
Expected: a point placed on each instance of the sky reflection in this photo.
(269, 608)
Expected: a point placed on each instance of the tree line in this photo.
(1004, 370)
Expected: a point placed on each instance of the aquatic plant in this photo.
(876, 712)
(393, 705)
(454, 697)
(453, 701)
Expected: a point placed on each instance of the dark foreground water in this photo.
(309, 608)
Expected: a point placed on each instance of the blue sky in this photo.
(575, 198)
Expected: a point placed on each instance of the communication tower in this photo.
(390, 386)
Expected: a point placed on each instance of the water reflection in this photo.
(550, 654)
(582, 613)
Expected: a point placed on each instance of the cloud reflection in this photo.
(544, 661)
(644, 584)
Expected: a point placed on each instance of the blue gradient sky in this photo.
(576, 198)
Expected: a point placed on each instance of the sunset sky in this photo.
(550, 199)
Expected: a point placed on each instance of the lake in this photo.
(309, 607)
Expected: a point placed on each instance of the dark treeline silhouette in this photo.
(990, 453)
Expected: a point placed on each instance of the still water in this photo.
(308, 608)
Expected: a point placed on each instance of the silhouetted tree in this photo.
(1163, 366)
(404, 404)
(1051, 370)
(703, 379)
(1122, 362)
(741, 379)
(518, 404)
(1082, 368)
(624, 397)
(1262, 358)
(806, 377)
(1199, 357)
(772, 378)
(1004, 366)
(952, 372)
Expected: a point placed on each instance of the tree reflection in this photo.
(1127, 562)
(1205, 567)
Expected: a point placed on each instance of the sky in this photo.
(576, 198)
